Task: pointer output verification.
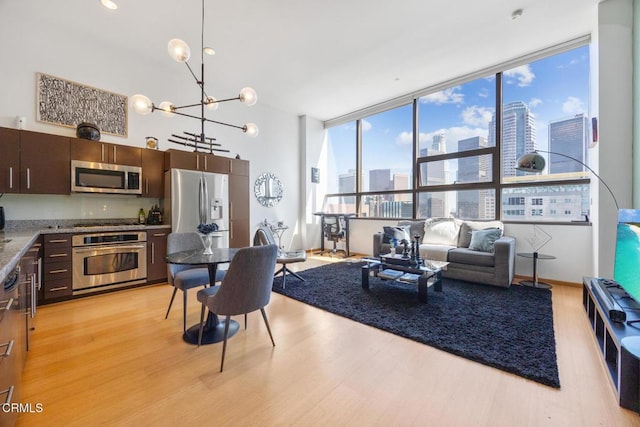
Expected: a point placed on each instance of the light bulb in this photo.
(248, 96)
(179, 50)
(250, 129)
(209, 50)
(109, 4)
(166, 108)
(211, 103)
(141, 104)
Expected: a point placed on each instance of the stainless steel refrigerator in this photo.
(193, 198)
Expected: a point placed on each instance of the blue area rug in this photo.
(509, 329)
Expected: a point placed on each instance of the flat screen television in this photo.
(627, 260)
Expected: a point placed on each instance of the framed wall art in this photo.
(66, 103)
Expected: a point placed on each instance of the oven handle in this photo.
(106, 248)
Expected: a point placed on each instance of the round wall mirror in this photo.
(268, 189)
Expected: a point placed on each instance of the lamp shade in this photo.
(141, 104)
(211, 103)
(179, 50)
(248, 96)
(166, 108)
(531, 162)
(251, 129)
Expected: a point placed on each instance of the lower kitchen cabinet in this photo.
(16, 314)
(57, 271)
(156, 253)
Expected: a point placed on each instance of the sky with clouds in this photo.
(554, 88)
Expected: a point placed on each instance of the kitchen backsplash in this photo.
(75, 206)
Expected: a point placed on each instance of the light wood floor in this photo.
(115, 360)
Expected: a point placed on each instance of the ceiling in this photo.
(328, 58)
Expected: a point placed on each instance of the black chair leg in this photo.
(266, 322)
(173, 295)
(224, 345)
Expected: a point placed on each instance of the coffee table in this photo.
(426, 275)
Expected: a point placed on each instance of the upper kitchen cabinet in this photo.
(104, 152)
(178, 159)
(45, 165)
(9, 160)
(152, 173)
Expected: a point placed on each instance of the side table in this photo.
(535, 256)
(279, 231)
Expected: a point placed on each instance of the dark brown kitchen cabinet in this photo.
(104, 152)
(57, 271)
(239, 204)
(12, 342)
(178, 159)
(45, 166)
(156, 253)
(152, 173)
(16, 313)
(9, 160)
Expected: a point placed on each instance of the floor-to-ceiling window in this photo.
(456, 151)
(341, 168)
(546, 108)
(453, 150)
(386, 174)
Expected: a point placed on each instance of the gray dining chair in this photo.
(185, 277)
(245, 288)
(264, 236)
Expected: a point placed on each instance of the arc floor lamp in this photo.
(534, 162)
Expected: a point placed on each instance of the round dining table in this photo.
(213, 330)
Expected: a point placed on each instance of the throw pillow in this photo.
(441, 231)
(398, 233)
(468, 226)
(483, 240)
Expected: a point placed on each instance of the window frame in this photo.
(495, 183)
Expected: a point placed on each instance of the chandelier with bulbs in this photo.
(180, 52)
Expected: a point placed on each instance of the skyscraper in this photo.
(568, 137)
(434, 173)
(347, 182)
(380, 180)
(518, 135)
(475, 204)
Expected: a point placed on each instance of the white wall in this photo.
(28, 45)
(314, 140)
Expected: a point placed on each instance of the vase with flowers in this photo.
(205, 231)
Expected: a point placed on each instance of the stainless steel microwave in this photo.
(92, 177)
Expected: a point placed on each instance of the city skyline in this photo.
(554, 88)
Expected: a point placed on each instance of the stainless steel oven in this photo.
(108, 260)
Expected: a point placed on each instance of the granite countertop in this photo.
(21, 239)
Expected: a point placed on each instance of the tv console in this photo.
(618, 340)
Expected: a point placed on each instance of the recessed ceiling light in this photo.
(109, 4)
(209, 51)
(516, 14)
